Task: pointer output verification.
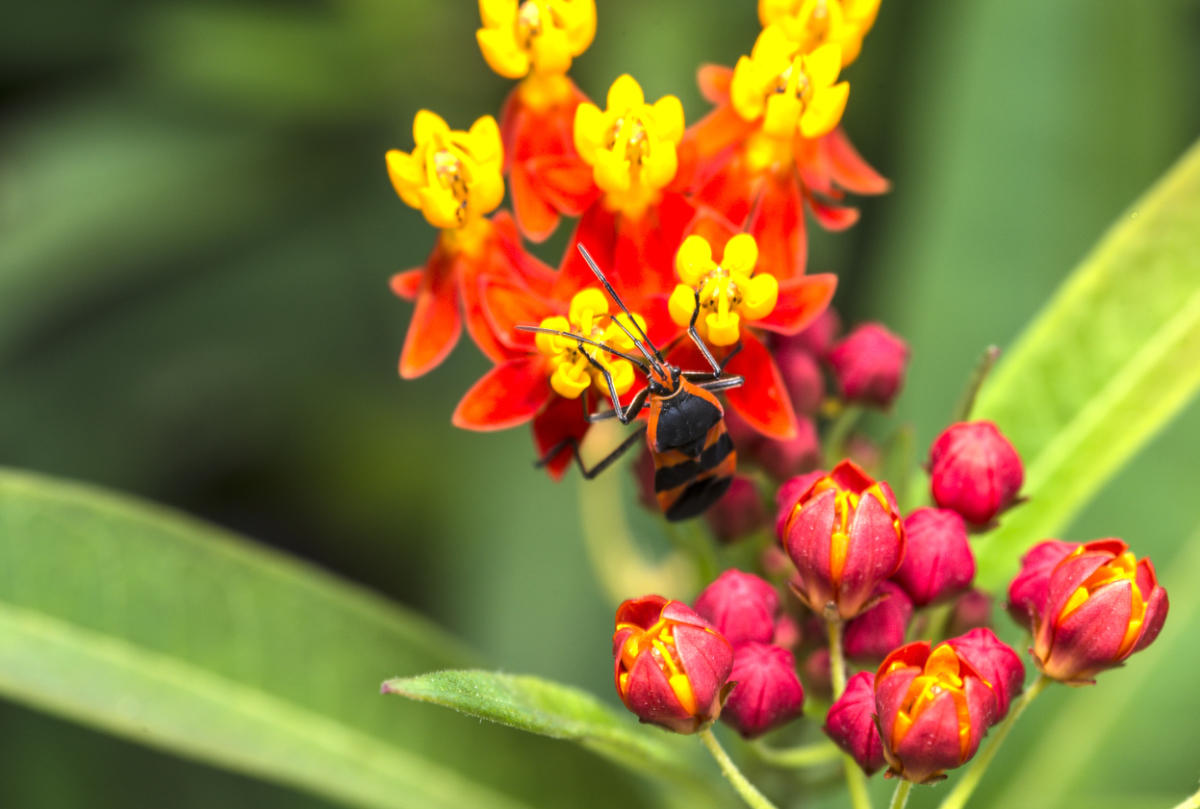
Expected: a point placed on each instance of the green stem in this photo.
(796, 757)
(967, 402)
(839, 431)
(856, 782)
(749, 793)
(961, 793)
(900, 796)
(1190, 803)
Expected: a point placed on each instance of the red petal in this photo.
(507, 305)
(832, 217)
(559, 420)
(565, 181)
(597, 231)
(732, 190)
(536, 218)
(777, 224)
(714, 82)
(529, 269)
(436, 323)
(762, 400)
(846, 166)
(801, 301)
(508, 395)
(406, 284)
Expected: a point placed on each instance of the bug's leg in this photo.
(635, 406)
(605, 462)
(717, 367)
(624, 415)
(705, 376)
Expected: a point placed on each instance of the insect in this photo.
(694, 458)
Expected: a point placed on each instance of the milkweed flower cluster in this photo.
(865, 599)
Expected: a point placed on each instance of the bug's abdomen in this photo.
(686, 485)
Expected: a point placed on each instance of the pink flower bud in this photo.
(869, 364)
(741, 606)
(817, 338)
(670, 666)
(933, 708)
(788, 634)
(738, 513)
(972, 610)
(1102, 604)
(844, 534)
(802, 377)
(996, 662)
(850, 723)
(818, 673)
(767, 693)
(880, 628)
(795, 456)
(938, 563)
(1027, 592)
(974, 470)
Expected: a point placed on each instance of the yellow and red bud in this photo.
(996, 662)
(843, 532)
(938, 563)
(452, 177)
(869, 365)
(767, 693)
(541, 36)
(933, 708)
(850, 723)
(671, 666)
(1101, 605)
(974, 470)
(740, 606)
(881, 627)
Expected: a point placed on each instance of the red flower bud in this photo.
(767, 693)
(845, 536)
(818, 337)
(972, 610)
(974, 470)
(850, 723)
(869, 364)
(788, 633)
(738, 513)
(881, 628)
(1027, 592)
(795, 456)
(740, 606)
(818, 673)
(933, 708)
(938, 563)
(802, 377)
(670, 665)
(1102, 605)
(996, 662)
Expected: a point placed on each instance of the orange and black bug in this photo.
(694, 458)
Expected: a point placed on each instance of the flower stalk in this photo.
(807, 755)
(900, 796)
(856, 782)
(748, 792)
(966, 785)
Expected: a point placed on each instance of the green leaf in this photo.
(173, 634)
(1113, 356)
(551, 709)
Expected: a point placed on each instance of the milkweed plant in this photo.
(851, 630)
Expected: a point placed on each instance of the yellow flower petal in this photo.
(668, 119)
(551, 51)
(426, 124)
(407, 175)
(783, 109)
(497, 13)
(722, 329)
(587, 304)
(744, 92)
(625, 94)
(441, 208)
(681, 304)
(693, 260)
(823, 64)
(590, 129)
(551, 344)
(824, 111)
(502, 52)
(622, 375)
(485, 144)
(569, 383)
(759, 295)
(610, 171)
(659, 165)
(579, 20)
(741, 254)
(486, 192)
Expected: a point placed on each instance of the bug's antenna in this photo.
(580, 338)
(613, 293)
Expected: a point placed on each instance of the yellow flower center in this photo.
(538, 36)
(453, 177)
(572, 365)
(942, 674)
(727, 292)
(1120, 568)
(790, 88)
(630, 145)
(659, 642)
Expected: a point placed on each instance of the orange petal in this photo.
(565, 181)
(507, 305)
(535, 217)
(714, 82)
(777, 225)
(733, 190)
(762, 400)
(406, 284)
(847, 167)
(801, 301)
(508, 395)
(832, 217)
(716, 132)
(436, 323)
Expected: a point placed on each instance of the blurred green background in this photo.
(196, 232)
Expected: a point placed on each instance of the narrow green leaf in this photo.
(550, 709)
(170, 633)
(1113, 356)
